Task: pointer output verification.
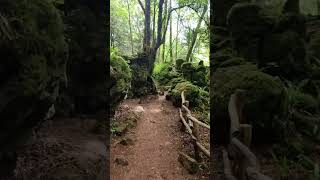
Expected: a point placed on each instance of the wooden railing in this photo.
(239, 162)
(191, 125)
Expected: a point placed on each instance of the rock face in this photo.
(120, 75)
(251, 49)
(265, 100)
(86, 68)
(33, 51)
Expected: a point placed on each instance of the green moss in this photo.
(194, 94)
(120, 73)
(264, 101)
(303, 102)
(34, 76)
(179, 62)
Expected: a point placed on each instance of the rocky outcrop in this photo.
(120, 77)
(86, 68)
(258, 48)
(33, 51)
(264, 104)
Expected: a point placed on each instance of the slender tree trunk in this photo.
(147, 31)
(195, 33)
(131, 38)
(177, 36)
(171, 54)
(154, 23)
(165, 19)
(163, 52)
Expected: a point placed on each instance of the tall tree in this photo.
(165, 18)
(154, 22)
(130, 29)
(177, 34)
(195, 33)
(147, 36)
(170, 49)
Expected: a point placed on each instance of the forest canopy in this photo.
(184, 30)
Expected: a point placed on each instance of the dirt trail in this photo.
(157, 141)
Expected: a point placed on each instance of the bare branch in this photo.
(142, 7)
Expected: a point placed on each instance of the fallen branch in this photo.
(197, 121)
(203, 149)
(185, 123)
(227, 166)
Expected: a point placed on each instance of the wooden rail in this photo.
(239, 162)
(191, 126)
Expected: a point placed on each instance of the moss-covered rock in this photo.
(199, 76)
(303, 102)
(32, 69)
(188, 69)
(247, 22)
(197, 97)
(165, 74)
(120, 74)
(265, 100)
(179, 62)
(286, 50)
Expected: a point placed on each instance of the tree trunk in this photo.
(147, 31)
(195, 33)
(177, 36)
(131, 38)
(170, 49)
(163, 52)
(154, 23)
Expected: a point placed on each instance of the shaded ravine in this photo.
(157, 142)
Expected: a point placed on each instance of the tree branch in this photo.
(143, 9)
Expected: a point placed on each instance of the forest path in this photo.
(156, 142)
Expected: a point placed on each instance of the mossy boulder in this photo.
(165, 74)
(179, 62)
(199, 76)
(120, 75)
(303, 102)
(264, 105)
(32, 70)
(248, 22)
(188, 69)
(287, 50)
(194, 94)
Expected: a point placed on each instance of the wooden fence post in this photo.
(246, 134)
(196, 149)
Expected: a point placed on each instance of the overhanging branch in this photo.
(142, 7)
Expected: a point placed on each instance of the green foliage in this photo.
(302, 102)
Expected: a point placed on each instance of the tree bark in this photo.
(170, 50)
(177, 36)
(147, 31)
(130, 29)
(154, 23)
(195, 33)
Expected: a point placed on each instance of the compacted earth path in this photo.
(154, 147)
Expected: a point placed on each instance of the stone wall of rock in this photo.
(282, 49)
(33, 56)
